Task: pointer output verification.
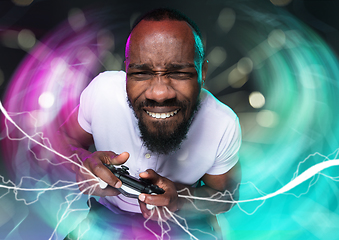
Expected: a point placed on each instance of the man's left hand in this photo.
(169, 199)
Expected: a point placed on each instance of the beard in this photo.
(164, 141)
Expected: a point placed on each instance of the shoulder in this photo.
(214, 120)
(106, 84)
(106, 88)
(112, 74)
(215, 109)
(109, 78)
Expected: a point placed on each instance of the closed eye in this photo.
(142, 75)
(180, 75)
(146, 75)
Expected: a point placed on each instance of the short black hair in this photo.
(161, 14)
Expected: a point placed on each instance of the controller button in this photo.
(124, 168)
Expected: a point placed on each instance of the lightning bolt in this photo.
(60, 185)
(66, 184)
(297, 180)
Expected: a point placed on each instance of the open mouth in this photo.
(162, 115)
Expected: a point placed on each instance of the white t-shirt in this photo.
(211, 146)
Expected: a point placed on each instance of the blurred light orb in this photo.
(22, 2)
(267, 118)
(59, 66)
(237, 79)
(281, 3)
(39, 118)
(226, 19)
(245, 65)
(76, 19)
(112, 61)
(26, 39)
(46, 100)
(85, 55)
(256, 100)
(105, 40)
(10, 39)
(217, 56)
(277, 38)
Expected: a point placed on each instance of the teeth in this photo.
(162, 115)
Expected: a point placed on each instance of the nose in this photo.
(160, 89)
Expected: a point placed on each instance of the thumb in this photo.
(149, 174)
(119, 159)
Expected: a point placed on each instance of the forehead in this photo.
(161, 38)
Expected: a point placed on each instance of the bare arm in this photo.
(214, 184)
(225, 184)
(72, 138)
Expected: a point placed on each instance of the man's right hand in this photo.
(94, 162)
(73, 139)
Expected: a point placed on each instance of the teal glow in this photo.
(298, 75)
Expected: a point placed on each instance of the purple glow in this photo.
(42, 93)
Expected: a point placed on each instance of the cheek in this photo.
(134, 90)
(189, 91)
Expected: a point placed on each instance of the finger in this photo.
(108, 191)
(109, 157)
(155, 213)
(101, 171)
(95, 165)
(150, 214)
(118, 159)
(157, 200)
(146, 213)
(150, 175)
(93, 188)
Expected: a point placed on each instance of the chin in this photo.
(165, 127)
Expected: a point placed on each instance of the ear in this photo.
(204, 72)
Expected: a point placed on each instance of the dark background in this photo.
(42, 16)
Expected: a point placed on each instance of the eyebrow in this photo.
(172, 66)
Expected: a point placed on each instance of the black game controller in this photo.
(131, 186)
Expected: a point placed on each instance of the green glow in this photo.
(299, 78)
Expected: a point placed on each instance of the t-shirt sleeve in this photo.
(95, 93)
(228, 150)
(86, 105)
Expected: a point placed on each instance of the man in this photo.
(158, 121)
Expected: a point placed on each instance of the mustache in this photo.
(166, 103)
